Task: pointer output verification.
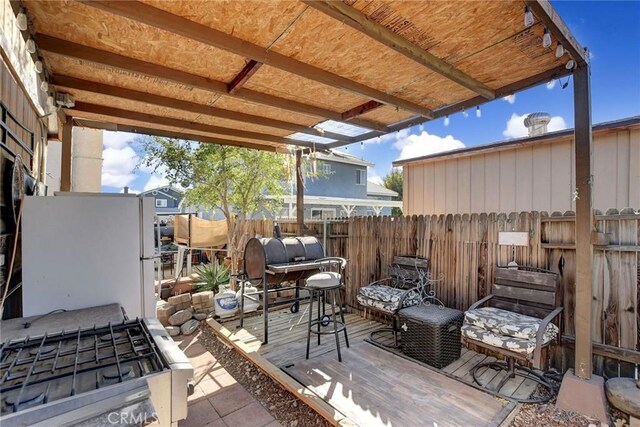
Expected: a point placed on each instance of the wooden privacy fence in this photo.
(464, 249)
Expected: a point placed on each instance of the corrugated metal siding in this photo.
(537, 177)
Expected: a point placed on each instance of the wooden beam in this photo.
(182, 124)
(361, 109)
(117, 127)
(175, 24)
(584, 221)
(178, 104)
(299, 194)
(361, 22)
(78, 51)
(244, 75)
(509, 89)
(67, 149)
(543, 10)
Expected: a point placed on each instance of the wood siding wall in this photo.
(464, 250)
(18, 104)
(538, 176)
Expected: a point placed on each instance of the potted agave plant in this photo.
(211, 276)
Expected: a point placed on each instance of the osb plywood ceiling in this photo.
(255, 72)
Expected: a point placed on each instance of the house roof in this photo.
(163, 190)
(278, 68)
(540, 139)
(374, 189)
(340, 157)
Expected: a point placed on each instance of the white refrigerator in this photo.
(82, 250)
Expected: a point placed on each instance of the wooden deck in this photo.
(372, 386)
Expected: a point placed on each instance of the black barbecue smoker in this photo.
(274, 261)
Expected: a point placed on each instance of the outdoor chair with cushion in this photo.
(408, 284)
(515, 320)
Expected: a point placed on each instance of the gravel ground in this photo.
(548, 415)
(287, 409)
(292, 412)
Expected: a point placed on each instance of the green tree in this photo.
(393, 181)
(239, 182)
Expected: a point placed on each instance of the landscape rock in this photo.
(173, 330)
(624, 395)
(189, 327)
(200, 316)
(179, 299)
(163, 313)
(180, 317)
(202, 300)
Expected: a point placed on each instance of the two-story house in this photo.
(341, 190)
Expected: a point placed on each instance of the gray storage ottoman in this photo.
(431, 334)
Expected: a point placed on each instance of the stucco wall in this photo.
(538, 176)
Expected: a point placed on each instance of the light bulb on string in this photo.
(465, 114)
(570, 64)
(31, 46)
(44, 86)
(546, 39)
(38, 66)
(23, 23)
(528, 17)
(559, 50)
(446, 120)
(478, 112)
(362, 145)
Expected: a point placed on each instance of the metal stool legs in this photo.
(338, 325)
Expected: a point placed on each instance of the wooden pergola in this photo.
(313, 74)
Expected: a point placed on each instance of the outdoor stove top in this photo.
(38, 370)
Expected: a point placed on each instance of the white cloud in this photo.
(373, 176)
(117, 139)
(155, 181)
(424, 144)
(118, 165)
(516, 128)
(551, 84)
(511, 99)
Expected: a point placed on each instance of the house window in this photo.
(320, 214)
(161, 203)
(361, 176)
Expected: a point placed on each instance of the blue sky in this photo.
(611, 31)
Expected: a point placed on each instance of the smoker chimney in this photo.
(126, 190)
(537, 123)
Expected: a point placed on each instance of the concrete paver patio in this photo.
(218, 400)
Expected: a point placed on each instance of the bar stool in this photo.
(327, 283)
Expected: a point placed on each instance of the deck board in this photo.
(375, 387)
(286, 350)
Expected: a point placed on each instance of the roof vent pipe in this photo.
(537, 123)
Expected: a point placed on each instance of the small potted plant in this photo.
(211, 276)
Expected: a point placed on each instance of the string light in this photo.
(361, 145)
(23, 23)
(559, 50)
(528, 17)
(478, 112)
(38, 65)
(44, 86)
(546, 39)
(465, 114)
(446, 120)
(570, 64)
(31, 46)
